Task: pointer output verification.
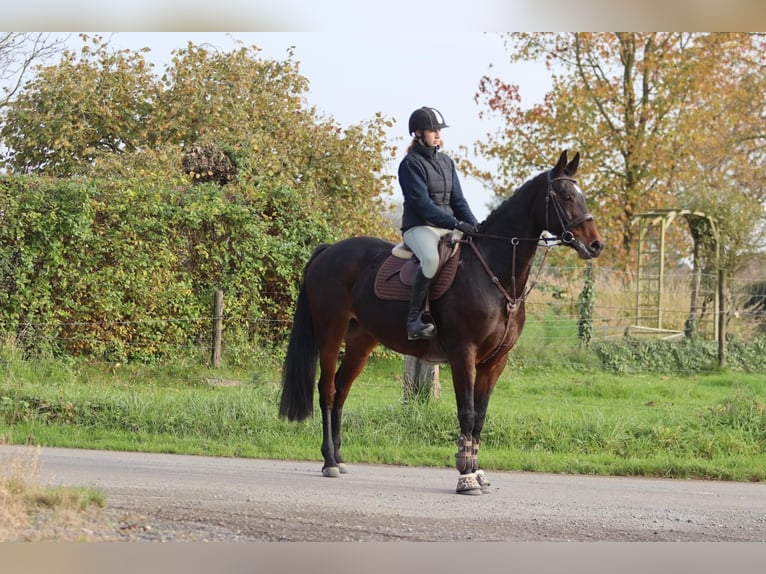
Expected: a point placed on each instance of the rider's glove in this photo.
(467, 228)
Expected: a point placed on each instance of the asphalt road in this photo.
(207, 498)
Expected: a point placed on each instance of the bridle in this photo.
(566, 237)
(567, 224)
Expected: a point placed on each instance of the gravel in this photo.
(157, 498)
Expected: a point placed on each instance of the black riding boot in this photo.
(416, 328)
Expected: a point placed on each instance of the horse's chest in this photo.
(510, 324)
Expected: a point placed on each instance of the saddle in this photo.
(397, 273)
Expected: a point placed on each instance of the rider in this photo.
(434, 205)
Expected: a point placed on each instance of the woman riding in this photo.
(434, 205)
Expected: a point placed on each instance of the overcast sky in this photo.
(354, 75)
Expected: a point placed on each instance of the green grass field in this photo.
(542, 416)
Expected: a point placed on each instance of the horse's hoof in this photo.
(468, 484)
(331, 471)
(481, 478)
(342, 468)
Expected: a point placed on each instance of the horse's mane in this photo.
(510, 202)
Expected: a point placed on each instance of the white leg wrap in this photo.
(467, 484)
(483, 481)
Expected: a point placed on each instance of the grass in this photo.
(31, 512)
(554, 410)
(542, 417)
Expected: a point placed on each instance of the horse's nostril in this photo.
(596, 247)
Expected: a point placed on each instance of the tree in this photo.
(662, 119)
(83, 108)
(257, 109)
(114, 135)
(102, 113)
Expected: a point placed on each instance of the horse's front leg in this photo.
(480, 401)
(463, 381)
(481, 478)
(486, 378)
(467, 482)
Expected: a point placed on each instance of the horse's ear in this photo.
(562, 163)
(572, 166)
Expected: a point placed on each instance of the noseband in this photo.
(566, 224)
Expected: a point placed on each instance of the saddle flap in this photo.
(396, 275)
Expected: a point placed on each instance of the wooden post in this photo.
(721, 318)
(421, 379)
(217, 325)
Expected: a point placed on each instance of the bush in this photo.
(632, 355)
(125, 272)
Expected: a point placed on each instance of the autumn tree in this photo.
(662, 120)
(94, 104)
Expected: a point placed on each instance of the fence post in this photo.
(721, 318)
(217, 325)
(421, 379)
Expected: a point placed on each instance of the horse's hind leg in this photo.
(328, 359)
(331, 340)
(359, 345)
(334, 388)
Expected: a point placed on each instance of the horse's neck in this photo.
(512, 260)
(514, 217)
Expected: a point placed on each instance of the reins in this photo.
(565, 238)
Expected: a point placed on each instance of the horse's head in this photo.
(566, 214)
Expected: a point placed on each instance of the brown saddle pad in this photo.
(396, 275)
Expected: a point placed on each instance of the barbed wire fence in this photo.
(551, 308)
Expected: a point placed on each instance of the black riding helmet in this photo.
(426, 118)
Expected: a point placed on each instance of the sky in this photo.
(436, 22)
(357, 74)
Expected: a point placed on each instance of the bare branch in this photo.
(19, 53)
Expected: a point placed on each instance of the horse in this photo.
(479, 318)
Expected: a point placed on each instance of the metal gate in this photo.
(704, 306)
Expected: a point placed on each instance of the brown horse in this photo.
(478, 319)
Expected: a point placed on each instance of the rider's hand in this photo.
(466, 228)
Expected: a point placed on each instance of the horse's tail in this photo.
(299, 372)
